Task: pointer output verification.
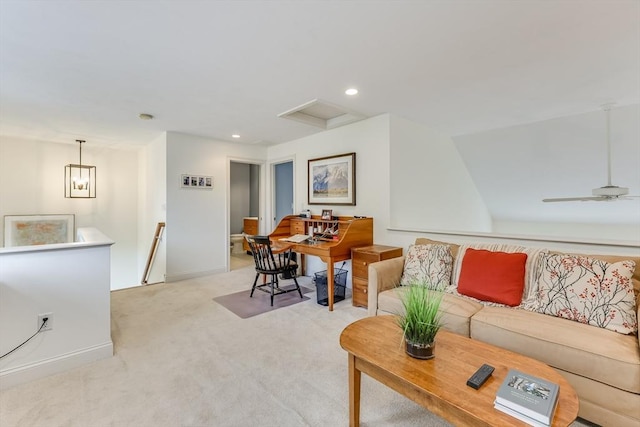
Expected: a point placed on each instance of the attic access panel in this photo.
(322, 114)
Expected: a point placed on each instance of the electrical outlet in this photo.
(49, 325)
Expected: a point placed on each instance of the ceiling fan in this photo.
(608, 192)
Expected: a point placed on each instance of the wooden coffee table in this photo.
(375, 347)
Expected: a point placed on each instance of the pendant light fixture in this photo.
(79, 180)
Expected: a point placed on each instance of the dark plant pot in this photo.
(420, 350)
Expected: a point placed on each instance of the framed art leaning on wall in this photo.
(27, 230)
(332, 180)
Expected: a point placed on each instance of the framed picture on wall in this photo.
(332, 180)
(196, 181)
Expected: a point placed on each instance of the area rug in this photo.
(243, 306)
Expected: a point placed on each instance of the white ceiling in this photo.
(86, 69)
(496, 75)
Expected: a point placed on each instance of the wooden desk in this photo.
(439, 384)
(347, 233)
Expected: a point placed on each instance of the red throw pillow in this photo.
(493, 276)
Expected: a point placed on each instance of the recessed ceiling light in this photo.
(235, 135)
(351, 91)
(145, 116)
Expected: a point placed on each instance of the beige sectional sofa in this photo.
(602, 365)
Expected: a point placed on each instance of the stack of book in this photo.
(527, 398)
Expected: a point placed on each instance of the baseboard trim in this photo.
(185, 276)
(44, 368)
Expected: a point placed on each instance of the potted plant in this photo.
(421, 319)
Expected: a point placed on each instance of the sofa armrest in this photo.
(383, 275)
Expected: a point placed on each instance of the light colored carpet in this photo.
(181, 359)
(237, 261)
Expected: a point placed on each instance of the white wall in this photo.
(515, 168)
(371, 140)
(197, 236)
(32, 182)
(430, 185)
(152, 202)
(578, 231)
(70, 281)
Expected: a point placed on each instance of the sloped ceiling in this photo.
(85, 70)
(514, 168)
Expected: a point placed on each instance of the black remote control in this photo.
(480, 376)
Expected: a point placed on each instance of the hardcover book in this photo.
(534, 398)
(519, 416)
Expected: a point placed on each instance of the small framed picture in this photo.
(327, 214)
(196, 181)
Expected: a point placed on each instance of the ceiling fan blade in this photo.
(609, 192)
(575, 199)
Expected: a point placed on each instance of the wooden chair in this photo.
(272, 265)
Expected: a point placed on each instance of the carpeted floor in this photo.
(181, 359)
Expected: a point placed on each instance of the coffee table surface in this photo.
(375, 347)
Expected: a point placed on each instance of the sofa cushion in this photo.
(424, 241)
(493, 276)
(583, 350)
(456, 311)
(428, 263)
(617, 258)
(529, 296)
(588, 290)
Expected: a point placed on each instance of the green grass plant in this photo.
(422, 317)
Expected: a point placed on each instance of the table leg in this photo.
(330, 284)
(354, 392)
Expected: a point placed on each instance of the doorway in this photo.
(282, 191)
(244, 209)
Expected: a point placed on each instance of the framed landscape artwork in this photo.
(332, 180)
(27, 230)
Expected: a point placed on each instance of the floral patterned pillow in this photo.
(428, 263)
(588, 290)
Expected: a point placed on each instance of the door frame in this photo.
(272, 182)
(261, 200)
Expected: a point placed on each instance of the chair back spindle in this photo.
(271, 265)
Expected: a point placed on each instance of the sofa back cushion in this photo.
(529, 295)
(493, 276)
(588, 290)
(452, 246)
(431, 264)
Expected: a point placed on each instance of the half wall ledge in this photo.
(67, 281)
